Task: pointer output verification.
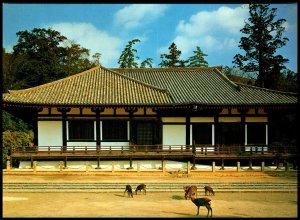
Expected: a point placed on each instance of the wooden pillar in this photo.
(194, 163)
(130, 163)
(98, 163)
(98, 110)
(188, 168)
(238, 166)
(60, 166)
(222, 164)
(64, 124)
(31, 162)
(187, 131)
(138, 166)
(65, 163)
(112, 167)
(34, 166)
(163, 164)
(262, 166)
(250, 164)
(213, 166)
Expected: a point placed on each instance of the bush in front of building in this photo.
(13, 139)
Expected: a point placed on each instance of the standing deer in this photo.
(202, 202)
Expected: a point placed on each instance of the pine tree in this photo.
(127, 58)
(172, 59)
(198, 59)
(264, 37)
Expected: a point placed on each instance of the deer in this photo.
(189, 191)
(128, 189)
(202, 202)
(140, 188)
(209, 190)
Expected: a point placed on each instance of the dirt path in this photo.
(166, 204)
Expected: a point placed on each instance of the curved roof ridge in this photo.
(233, 84)
(137, 81)
(268, 90)
(83, 73)
(166, 69)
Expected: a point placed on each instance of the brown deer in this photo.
(140, 188)
(128, 189)
(202, 202)
(209, 190)
(189, 191)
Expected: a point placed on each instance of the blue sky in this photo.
(107, 28)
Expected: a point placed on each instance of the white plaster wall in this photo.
(174, 135)
(115, 144)
(81, 143)
(50, 133)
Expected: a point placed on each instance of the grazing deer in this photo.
(189, 191)
(209, 190)
(128, 189)
(140, 188)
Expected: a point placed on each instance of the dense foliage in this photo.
(263, 38)
(173, 58)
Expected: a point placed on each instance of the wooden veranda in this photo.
(194, 152)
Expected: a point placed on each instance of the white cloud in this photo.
(97, 41)
(136, 15)
(214, 31)
(224, 19)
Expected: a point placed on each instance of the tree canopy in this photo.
(173, 58)
(264, 37)
(198, 59)
(127, 58)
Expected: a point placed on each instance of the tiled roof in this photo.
(148, 87)
(208, 86)
(97, 86)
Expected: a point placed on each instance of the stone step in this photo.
(113, 187)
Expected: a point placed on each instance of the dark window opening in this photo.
(256, 133)
(114, 130)
(202, 133)
(230, 133)
(81, 130)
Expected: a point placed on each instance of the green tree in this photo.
(172, 59)
(147, 62)
(264, 37)
(43, 53)
(198, 59)
(127, 58)
(76, 59)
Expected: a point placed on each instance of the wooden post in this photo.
(130, 163)
(61, 166)
(222, 164)
(34, 166)
(138, 166)
(250, 164)
(238, 166)
(86, 166)
(163, 166)
(262, 166)
(213, 166)
(188, 168)
(8, 165)
(287, 167)
(31, 162)
(112, 167)
(194, 163)
(65, 163)
(98, 163)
